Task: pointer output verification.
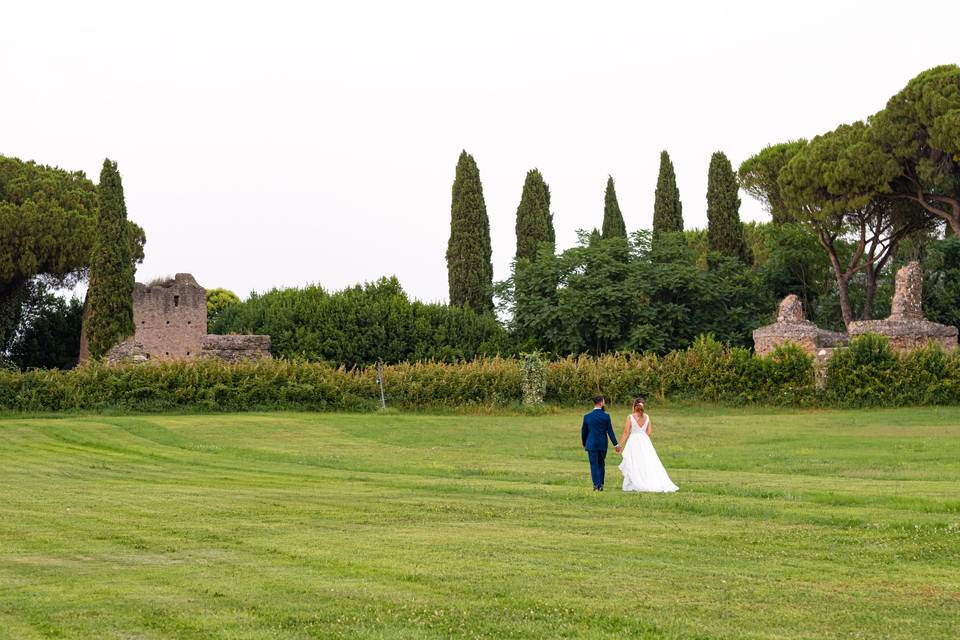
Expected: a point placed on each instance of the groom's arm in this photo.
(610, 433)
(583, 432)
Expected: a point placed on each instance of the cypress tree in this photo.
(469, 270)
(534, 220)
(667, 208)
(724, 231)
(613, 225)
(110, 296)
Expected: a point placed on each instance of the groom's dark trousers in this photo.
(594, 432)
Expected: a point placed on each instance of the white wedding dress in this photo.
(641, 467)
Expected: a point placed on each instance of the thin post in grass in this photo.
(383, 399)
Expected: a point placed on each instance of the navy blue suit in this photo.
(593, 434)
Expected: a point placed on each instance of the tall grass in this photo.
(867, 374)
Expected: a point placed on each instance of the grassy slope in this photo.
(822, 524)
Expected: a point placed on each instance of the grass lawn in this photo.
(822, 524)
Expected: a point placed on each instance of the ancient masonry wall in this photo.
(235, 348)
(906, 327)
(171, 318)
(171, 324)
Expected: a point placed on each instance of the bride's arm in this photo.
(626, 434)
(649, 427)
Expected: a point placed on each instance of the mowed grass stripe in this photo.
(818, 524)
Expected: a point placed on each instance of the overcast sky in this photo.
(277, 143)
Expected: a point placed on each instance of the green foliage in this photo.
(534, 220)
(47, 217)
(837, 185)
(834, 174)
(110, 317)
(363, 324)
(667, 208)
(49, 336)
(941, 290)
(533, 379)
(619, 294)
(919, 131)
(789, 260)
(724, 231)
(47, 224)
(759, 176)
(218, 300)
(869, 373)
(674, 300)
(469, 269)
(707, 371)
(789, 375)
(573, 302)
(865, 374)
(270, 384)
(613, 224)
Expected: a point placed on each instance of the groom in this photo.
(593, 435)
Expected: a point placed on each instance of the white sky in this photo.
(280, 143)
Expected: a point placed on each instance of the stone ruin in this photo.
(234, 348)
(171, 324)
(793, 326)
(906, 327)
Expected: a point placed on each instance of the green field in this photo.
(820, 524)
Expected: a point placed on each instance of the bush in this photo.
(863, 373)
(789, 375)
(708, 370)
(362, 325)
(533, 379)
(869, 373)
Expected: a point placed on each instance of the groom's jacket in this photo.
(595, 431)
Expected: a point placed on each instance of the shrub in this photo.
(867, 373)
(864, 373)
(533, 379)
(789, 374)
(362, 325)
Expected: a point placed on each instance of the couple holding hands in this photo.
(641, 467)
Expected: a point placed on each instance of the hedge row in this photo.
(866, 374)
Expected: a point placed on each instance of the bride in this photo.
(642, 470)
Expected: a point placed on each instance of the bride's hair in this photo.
(638, 403)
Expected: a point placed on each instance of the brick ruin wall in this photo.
(235, 348)
(171, 324)
(906, 327)
(170, 319)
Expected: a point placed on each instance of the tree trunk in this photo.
(842, 277)
(843, 285)
(84, 323)
(871, 294)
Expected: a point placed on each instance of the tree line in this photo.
(868, 195)
(847, 208)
